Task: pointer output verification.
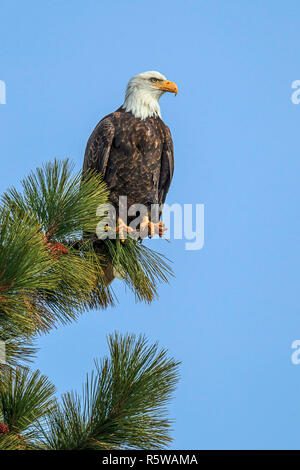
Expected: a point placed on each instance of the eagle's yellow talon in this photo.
(144, 227)
(122, 229)
(148, 228)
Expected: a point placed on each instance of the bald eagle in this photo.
(133, 149)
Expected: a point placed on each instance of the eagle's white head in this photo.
(143, 92)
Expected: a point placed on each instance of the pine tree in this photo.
(51, 272)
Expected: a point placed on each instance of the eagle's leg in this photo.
(123, 229)
(150, 228)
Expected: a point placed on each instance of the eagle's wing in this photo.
(167, 167)
(98, 147)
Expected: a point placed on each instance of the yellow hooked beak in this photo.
(165, 85)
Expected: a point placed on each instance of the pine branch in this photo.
(61, 203)
(123, 404)
(42, 281)
(25, 398)
(141, 267)
(49, 272)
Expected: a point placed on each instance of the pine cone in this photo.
(56, 249)
(4, 428)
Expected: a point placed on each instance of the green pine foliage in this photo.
(62, 205)
(54, 272)
(122, 405)
(142, 268)
(25, 269)
(53, 268)
(65, 207)
(25, 398)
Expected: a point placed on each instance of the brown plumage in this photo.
(133, 149)
(134, 155)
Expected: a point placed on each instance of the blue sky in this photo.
(232, 312)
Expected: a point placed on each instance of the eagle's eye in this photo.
(154, 80)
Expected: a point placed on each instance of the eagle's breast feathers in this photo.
(135, 157)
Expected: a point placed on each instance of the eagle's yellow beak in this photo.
(165, 85)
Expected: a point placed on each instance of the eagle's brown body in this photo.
(134, 155)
